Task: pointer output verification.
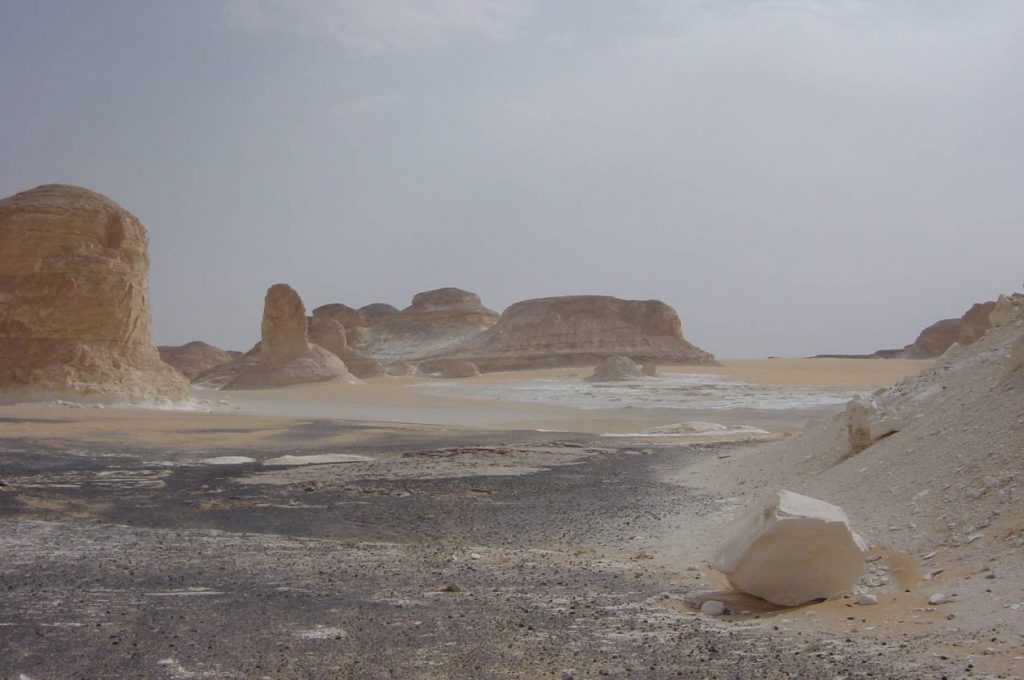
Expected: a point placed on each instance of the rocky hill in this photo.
(580, 330)
(941, 335)
(436, 321)
(74, 300)
(194, 357)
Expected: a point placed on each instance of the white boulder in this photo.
(793, 549)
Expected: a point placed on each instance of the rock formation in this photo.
(286, 356)
(616, 368)
(580, 330)
(332, 336)
(934, 340)
(791, 550)
(377, 310)
(454, 368)
(867, 421)
(1006, 309)
(194, 357)
(436, 321)
(74, 302)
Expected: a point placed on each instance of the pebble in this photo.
(939, 598)
(713, 608)
(867, 599)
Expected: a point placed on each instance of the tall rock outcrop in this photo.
(194, 357)
(377, 310)
(436, 321)
(285, 357)
(580, 330)
(74, 300)
(940, 336)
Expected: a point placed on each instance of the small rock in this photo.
(451, 588)
(713, 608)
(939, 598)
(867, 599)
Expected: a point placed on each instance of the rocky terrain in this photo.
(284, 355)
(580, 330)
(195, 357)
(436, 321)
(74, 301)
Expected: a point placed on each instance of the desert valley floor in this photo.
(419, 534)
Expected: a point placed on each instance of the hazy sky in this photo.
(793, 176)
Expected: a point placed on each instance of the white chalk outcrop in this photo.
(793, 549)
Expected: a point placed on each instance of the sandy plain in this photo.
(460, 537)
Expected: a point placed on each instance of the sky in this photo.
(793, 176)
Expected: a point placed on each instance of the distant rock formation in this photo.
(1007, 309)
(285, 356)
(332, 336)
(377, 310)
(74, 301)
(934, 340)
(436, 321)
(614, 369)
(194, 357)
(580, 330)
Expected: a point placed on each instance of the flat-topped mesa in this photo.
(436, 321)
(581, 330)
(285, 357)
(194, 357)
(74, 301)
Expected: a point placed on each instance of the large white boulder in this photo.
(793, 549)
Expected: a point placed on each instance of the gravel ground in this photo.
(474, 555)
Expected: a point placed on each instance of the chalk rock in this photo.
(867, 422)
(793, 549)
(285, 356)
(435, 322)
(194, 357)
(377, 310)
(74, 301)
(1017, 355)
(713, 608)
(580, 330)
(1007, 308)
(616, 368)
(329, 333)
(400, 368)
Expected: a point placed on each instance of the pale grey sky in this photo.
(793, 176)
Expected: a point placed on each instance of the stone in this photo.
(713, 608)
(1016, 361)
(867, 599)
(285, 355)
(400, 368)
(580, 330)
(1007, 309)
(327, 332)
(74, 301)
(377, 310)
(792, 549)
(194, 357)
(616, 368)
(435, 322)
(866, 423)
(939, 598)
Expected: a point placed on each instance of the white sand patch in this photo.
(228, 460)
(317, 459)
(321, 633)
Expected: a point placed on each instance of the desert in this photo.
(511, 340)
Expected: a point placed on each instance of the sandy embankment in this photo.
(263, 417)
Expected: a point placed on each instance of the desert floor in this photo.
(384, 530)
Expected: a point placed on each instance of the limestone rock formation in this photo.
(74, 301)
(793, 549)
(194, 357)
(650, 369)
(1006, 309)
(616, 368)
(934, 340)
(377, 310)
(332, 336)
(580, 330)
(436, 321)
(286, 356)
(1017, 355)
(867, 421)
